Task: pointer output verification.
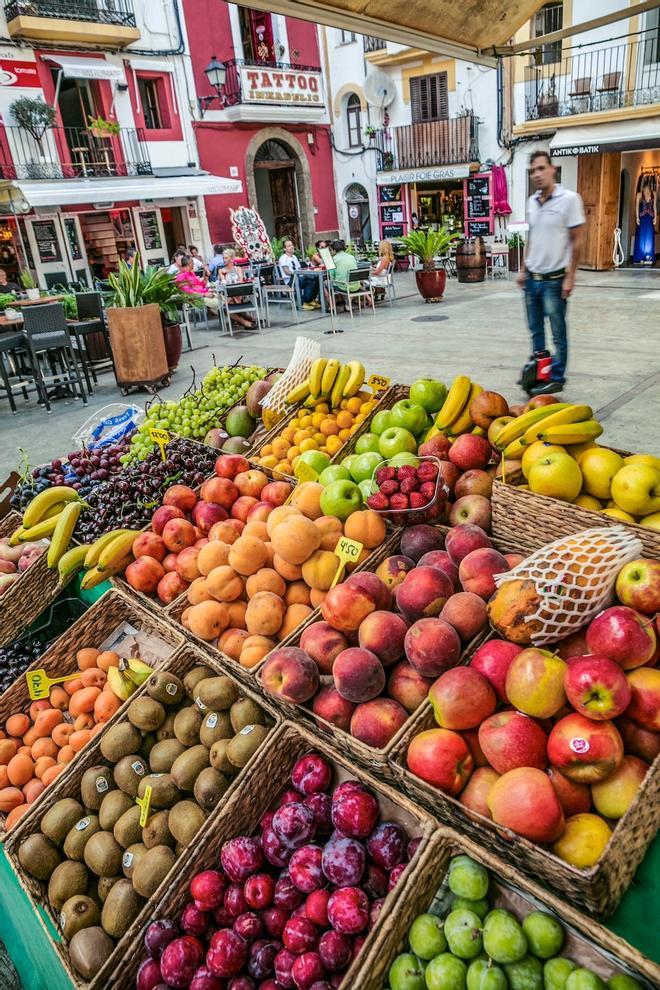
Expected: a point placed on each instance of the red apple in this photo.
(149, 544)
(207, 514)
(525, 801)
(461, 699)
(644, 707)
(144, 574)
(275, 492)
(597, 687)
(477, 571)
(638, 585)
(622, 634)
(407, 686)
(473, 509)
(251, 482)
(441, 758)
(493, 659)
(432, 646)
(574, 798)
(471, 737)
(470, 451)
(583, 750)
(438, 446)
(638, 741)
(574, 645)
(242, 506)
(535, 683)
(475, 793)
(220, 491)
(449, 474)
(229, 465)
(163, 515)
(181, 496)
(510, 739)
(474, 482)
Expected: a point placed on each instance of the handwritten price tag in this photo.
(39, 683)
(305, 472)
(161, 437)
(144, 803)
(348, 552)
(379, 383)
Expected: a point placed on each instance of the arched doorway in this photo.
(359, 216)
(277, 190)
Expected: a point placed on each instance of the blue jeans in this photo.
(544, 299)
(309, 287)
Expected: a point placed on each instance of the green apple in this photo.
(396, 440)
(381, 421)
(364, 465)
(347, 462)
(428, 392)
(367, 442)
(408, 416)
(340, 499)
(336, 472)
(367, 488)
(316, 459)
(403, 458)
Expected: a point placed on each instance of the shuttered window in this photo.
(428, 98)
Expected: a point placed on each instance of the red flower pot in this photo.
(431, 285)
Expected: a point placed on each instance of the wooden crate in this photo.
(26, 598)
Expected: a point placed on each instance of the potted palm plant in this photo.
(100, 127)
(28, 283)
(427, 245)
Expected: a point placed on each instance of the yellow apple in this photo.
(583, 841)
(618, 514)
(557, 475)
(598, 467)
(612, 797)
(636, 489)
(642, 459)
(578, 449)
(652, 521)
(536, 450)
(588, 502)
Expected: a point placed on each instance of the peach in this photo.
(475, 793)
(208, 620)
(345, 606)
(535, 683)
(466, 612)
(583, 841)
(383, 633)
(463, 539)
(525, 801)
(393, 569)
(373, 586)
(441, 560)
(441, 758)
(266, 579)
(247, 555)
(432, 646)
(644, 707)
(331, 530)
(258, 530)
(276, 492)
(264, 614)
(227, 531)
(255, 648)
(307, 499)
(638, 741)
(236, 611)
(462, 699)
(296, 539)
(181, 496)
(290, 572)
(187, 563)
(423, 593)
(291, 674)
(294, 616)
(229, 465)
(214, 554)
(149, 544)
(407, 686)
(574, 798)
(278, 515)
(324, 644)
(242, 506)
(170, 587)
(367, 527)
(219, 491)
(205, 515)
(329, 705)
(375, 723)
(251, 482)
(144, 574)
(224, 584)
(231, 642)
(319, 570)
(476, 572)
(260, 512)
(163, 515)
(185, 616)
(316, 597)
(510, 740)
(178, 534)
(198, 592)
(583, 750)
(296, 593)
(358, 675)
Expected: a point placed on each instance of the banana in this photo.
(71, 562)
(54, 510)
(120, 547)
(479, 431)
(93, 551)
(520, 425)
(515, 450)
(570, 433)
(298, 393)
(454, 403)
(138, 671)
(572, 414)
(316, 375)
(65, 525)
(95, 576)
(39, 531)
(330, 372)
(120, 683)
(356, 378)
(464, 422)
(339, 386)
(39, 505)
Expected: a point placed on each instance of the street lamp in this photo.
(216, 73)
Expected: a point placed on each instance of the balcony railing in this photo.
(97, 11)
(373, 44)
(72, 153)
(435, 142)
(623, 75)
(272, 83)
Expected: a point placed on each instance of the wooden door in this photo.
(284, 202)
(598, 185)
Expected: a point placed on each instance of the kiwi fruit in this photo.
(78, 837)
(209, 787)
(129, 772)
(89, 950)
(156, 832)
(94, 785)
(60, 818)
(112, 808)
(127, 829)
(245, 744)
(194, 676)
(186, 819)
(121, 908)
(216, 693)
(131, 858)
(166, 730)
(120, 740)
(187, 724)
(152, 870)
(166, 688)
(187, 767)
(148, 742)
(218, 758)
(78, 912)
(104, 885)
(103, 855)
(164, 792)
(244, 712)
(216, 725)
(66, 880)
(38, 856)
(146, 714)
(163, 755)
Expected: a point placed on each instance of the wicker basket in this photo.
(26, 598)
(94, 627)
(587, 942)
(68, 785)
(263, 782)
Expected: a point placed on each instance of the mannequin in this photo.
(646, 218)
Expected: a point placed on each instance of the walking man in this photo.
(556, 224)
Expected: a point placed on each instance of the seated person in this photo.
(316, 260)
(188, 282)
(344, 264)
(6, 285)
(217, 261)
(198, 263)
(379, 276)
(175, 264)
(232, 275)
(288, 264)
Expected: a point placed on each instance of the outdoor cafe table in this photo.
(318, 273)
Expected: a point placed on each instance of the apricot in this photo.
(256, 529)
(208, 620)
(226, 531)
(231, 642)
(20, 769)
(105, 707)
(83, 701)
(38, 706)
(94, 731)
(32, 790)
(255, 648)
(14, 816)
(51, 773)
(87, 657)
(43, 747)
(8, 748)
(296, 539)
(247, 555)
(27, 750)
(72, 686)
(46, 721)
(42, 764)
(185, 617)
(297, 593)
(294, 615)
(17, 725)
(107, 659)
(59, 698)
(265, 579)
(307, 499)
(362, 556)
(320, 569)
(290, 572)
(331, 530)
(93, 677)
(278, 515)
(270, 550)
(237, 612)
(10, 798)
(264, 614)
(316, 597)
(29, 738)
(65, 755)
(4, 777)
(83, 721)
(224, 584)
(214, 554)
(61, 733)
(365, 526)
(79, 739)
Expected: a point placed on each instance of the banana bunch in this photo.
(559, 423)
(52, 514)
(125, 679)
(454, 416)
(329, 381)
(109, 555)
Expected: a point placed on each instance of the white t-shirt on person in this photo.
(549, 243)
(288, 261)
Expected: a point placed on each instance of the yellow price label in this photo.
(161, 437)
(305, 472)
(143, 803)
(379, 382)
(348, 552)
(39, 683)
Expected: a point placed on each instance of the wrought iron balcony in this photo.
(72, 153)
(96, 11)
(373, 44)
(69, 20)
(593, 80)
(272, 83)
(432, 143)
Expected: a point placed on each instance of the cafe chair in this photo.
(365, 292)
(274, 291)
(240, 297)
(10, 346)
(46, 334)
(390, 290)
(90, 323)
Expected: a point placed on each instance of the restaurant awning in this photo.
(68, 192)
(625, 135)
(87, 68)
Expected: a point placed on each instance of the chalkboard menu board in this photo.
(72, 238)
(390, 194)
(45, 234)
(150, 231)
(390, 214)
(478, 197)
(478, 228)
(392, 230)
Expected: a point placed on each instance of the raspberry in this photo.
(379, 501)
(399, 501)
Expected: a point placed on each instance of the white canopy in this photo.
(87, 68)
(67, 192)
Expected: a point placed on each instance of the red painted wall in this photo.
(304, 40)
(209, 33)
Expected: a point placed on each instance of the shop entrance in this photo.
(174, 228)
(439, 204)
(277, 190)
(108, 235)
(359, 216)
(640, 208)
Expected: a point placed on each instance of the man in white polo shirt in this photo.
(556, 224)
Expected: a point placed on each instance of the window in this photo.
(428, 98)
(354, 121)
(345, 37)
(548, 19)
(651, 37)
(151, 104)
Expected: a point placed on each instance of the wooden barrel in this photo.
(471, 260)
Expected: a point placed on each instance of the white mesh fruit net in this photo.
(575, 578)
(304, 354)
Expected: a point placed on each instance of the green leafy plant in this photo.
(277, 247)
(369, 131)
(310, 252)
(427, 245)
(350, 248)
(6, 299)
(130, 287)
(103, 126)
(516, 241)
(34, 116)
(27, 280)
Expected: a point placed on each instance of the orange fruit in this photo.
(353, 405)
(329, 428)
(344, 419)
(308, 444)
(344, 435)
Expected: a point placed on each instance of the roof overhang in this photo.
(87, 68)
(70, 192)
(624, 135)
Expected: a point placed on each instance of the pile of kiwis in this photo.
(185, 739)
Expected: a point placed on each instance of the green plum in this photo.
(484, 975)
(381, 422)
(463, 933)
(426, 936)
(445, 972)
(556, 972)
(364, 465)
(584, 979)
(403, 458)
(366, 443)
(467, 878)
(406, 973)
(480, 908)
(544, 934)
(623, 982)
(504, 939)
(336, 472)
(526, 974)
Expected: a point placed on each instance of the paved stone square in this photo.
(479, 330)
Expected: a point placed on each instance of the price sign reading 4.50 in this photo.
(161, 437)
(348, 552)
(379, 383)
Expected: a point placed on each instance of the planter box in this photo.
(138, 346)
